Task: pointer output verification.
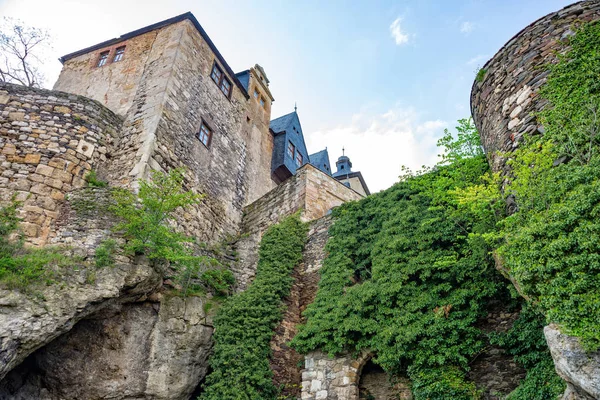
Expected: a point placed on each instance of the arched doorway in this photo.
(375, 384)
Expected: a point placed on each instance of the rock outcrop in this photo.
(580, 369)
(28, 322)
(155, 349)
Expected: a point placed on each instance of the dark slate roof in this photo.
(188, 15)
(319, 159)
(283, 123)
(244, 78)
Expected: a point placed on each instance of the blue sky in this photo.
(382, 78)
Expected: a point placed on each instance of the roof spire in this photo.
(295, 106)
(343, 151)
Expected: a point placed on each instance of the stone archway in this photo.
(342, 377)
(375, 384)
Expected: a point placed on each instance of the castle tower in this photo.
(344, 174)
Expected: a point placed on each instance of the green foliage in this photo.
(219, 281)
(105, 253)
(21, 267)
(552, 243)
(147, 217)
(93, 181)
(526, 342)
(147, 223)
(405, 279)
(573, 90)
(244, 325)
(466, 144)
(480, 74)
(443, 383)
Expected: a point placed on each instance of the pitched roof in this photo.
(319, 159)
(283, 123)
(189, 16)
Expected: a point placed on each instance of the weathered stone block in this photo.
(44, 170)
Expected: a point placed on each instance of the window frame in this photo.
(222, 77)
(299, 159)
(117, 54)
(103, 58)
(209, 133)
(291, 151)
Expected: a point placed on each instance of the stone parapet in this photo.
(505, 101)
(49, 141)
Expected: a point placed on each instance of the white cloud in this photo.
(467, 27)
(398, 35)
(478, 59)
(378, 144)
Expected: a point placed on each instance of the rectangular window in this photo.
(119, 54)
(262, 101)
(291, 149)
(256, 94)
(205, 134)
(222, 82)
(102, 59)
(299, 160)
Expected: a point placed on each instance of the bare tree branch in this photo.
(17, 44)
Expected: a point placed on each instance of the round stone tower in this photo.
(504, 98)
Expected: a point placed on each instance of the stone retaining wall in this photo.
(49, 141)
(504, 103)
(310, 191)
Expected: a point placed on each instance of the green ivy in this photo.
(244, 325)
(20, 266)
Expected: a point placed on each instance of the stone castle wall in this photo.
(310, 192)
(49, 141)
(163, 89)
(504, 103)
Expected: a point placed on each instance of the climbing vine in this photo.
(244, 325)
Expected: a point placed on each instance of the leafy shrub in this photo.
(244, 325)
(105, 253)
(443, 383)
(219, 281)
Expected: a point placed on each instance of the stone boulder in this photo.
(581, 370)
(29, 321)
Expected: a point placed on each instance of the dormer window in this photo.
(205, 134)
(299, 160)
(119, 52)
(291, 149)
(221, 80)
(102, 59)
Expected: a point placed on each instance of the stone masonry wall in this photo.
(49, 141)
(504, 103)
(310, 191)
(115, 84)
(285, 361)
(219, 169)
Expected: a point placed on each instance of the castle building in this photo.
(178, 104)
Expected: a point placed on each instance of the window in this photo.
(205, 134)
(226, 87)
(102, 59)
(291, 149)
(256, 94)
(119, 54)
(299, 159)
(262, 101)
(222, 82)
